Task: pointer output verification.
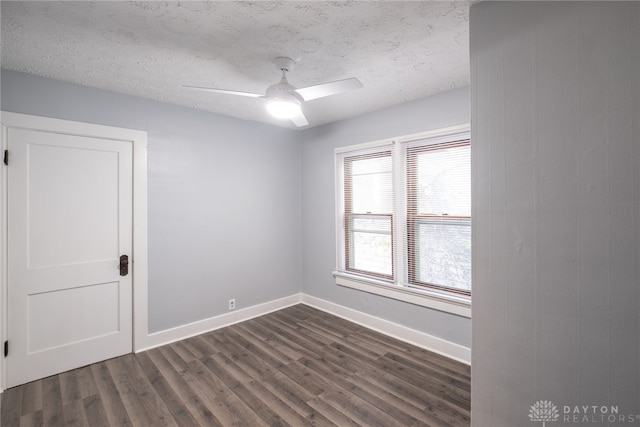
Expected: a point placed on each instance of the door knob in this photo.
(124, 265)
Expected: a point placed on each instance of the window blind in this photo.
(439, 216)
(368, 213)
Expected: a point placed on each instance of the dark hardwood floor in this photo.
(298, 366)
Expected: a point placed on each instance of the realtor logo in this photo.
(543, 410)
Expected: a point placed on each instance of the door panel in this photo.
(70, 219)
(98, 305)
(55, 190)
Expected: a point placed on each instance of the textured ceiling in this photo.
(399, 50)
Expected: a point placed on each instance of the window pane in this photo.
(370, 248)
(369, 182)
(372, 252)
(372, 193)
(443, 253)
(444, 182)
(372, 165)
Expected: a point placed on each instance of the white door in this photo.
(69, 212)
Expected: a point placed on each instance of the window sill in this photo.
(459, 306)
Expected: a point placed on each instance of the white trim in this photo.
(399, 239)
(419, 339)
(3, 259)
(140, 248)
(338, 216)
(68, 127)
(436, 133)
(403, 333)
(365, 145)
(430, 134)
(139, 256)
(448, 303)
(181, 332)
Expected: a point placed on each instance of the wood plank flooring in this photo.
(294, 367)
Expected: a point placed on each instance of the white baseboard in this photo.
(403, 333)
(419, 339)
(202, 326)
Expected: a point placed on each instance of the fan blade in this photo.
(318, 91)
(299, 119)
(228, 92)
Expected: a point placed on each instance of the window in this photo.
(403, 218)
(368, 214)
(439, 216)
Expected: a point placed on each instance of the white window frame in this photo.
(399, 288)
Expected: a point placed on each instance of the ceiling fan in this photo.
(283, 100)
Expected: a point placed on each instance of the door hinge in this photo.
(6, 157)
(6, 348)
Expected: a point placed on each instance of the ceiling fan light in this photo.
(283, 108)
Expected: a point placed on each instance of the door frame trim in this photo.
(140, 249)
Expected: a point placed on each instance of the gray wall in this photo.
(318, 207)
(200, 255)
(556, 154)
(223, 197)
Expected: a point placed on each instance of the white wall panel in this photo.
(556, 155)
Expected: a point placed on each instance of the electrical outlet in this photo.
(232, 304)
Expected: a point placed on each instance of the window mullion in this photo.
(399, 213)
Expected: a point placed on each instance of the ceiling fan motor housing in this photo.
(283, 90)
